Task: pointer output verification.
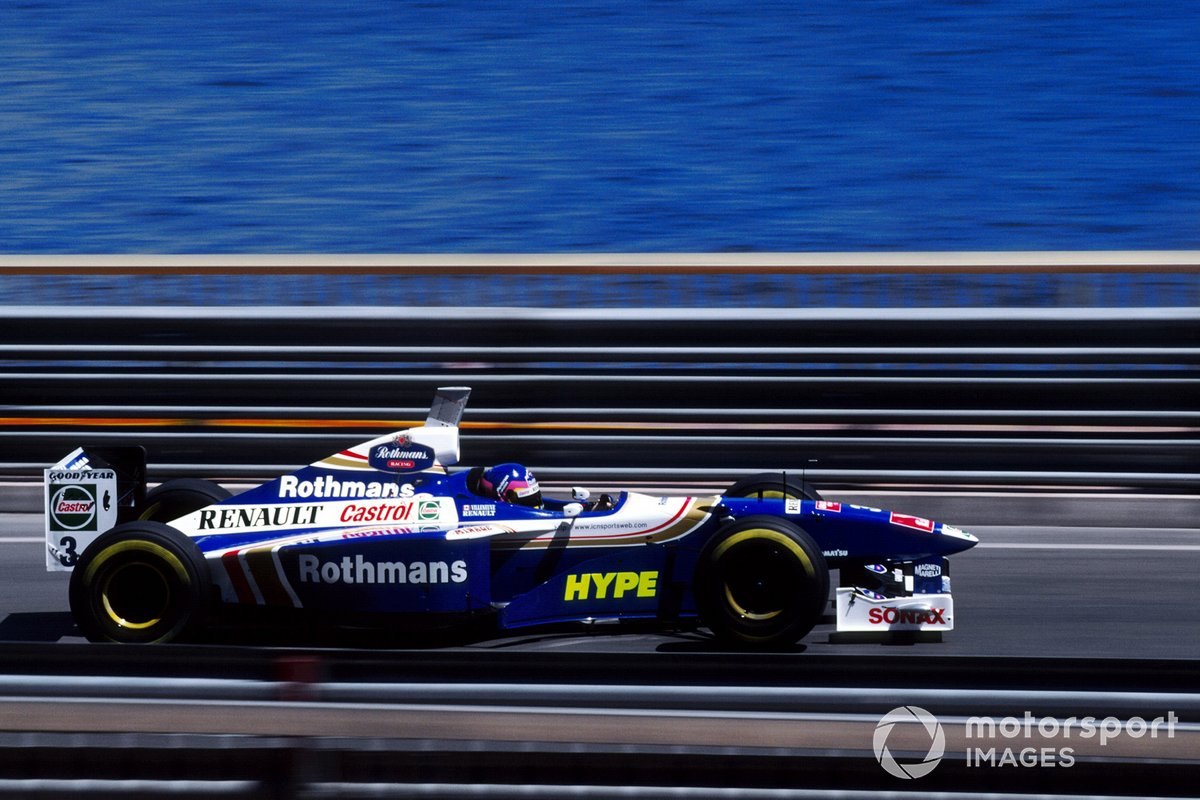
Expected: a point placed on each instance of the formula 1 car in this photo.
(387, 532)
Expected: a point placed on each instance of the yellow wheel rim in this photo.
(154, 562)
(767, 535)
(116, 616)
(776, 537)
(138, 546)
(748, 614)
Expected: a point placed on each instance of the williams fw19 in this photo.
(391, 532)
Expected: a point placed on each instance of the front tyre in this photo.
(773, 485)
(761, 582)
(140, 583)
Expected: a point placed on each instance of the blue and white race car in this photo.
(387, 532)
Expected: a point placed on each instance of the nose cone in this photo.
(955, 540)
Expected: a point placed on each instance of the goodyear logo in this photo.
(614, 585)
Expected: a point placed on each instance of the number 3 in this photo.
(68, 556)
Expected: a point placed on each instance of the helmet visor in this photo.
(523, 493)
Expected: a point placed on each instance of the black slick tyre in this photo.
(773, 485)
(140, 583)
(761, 582)
(175, 498)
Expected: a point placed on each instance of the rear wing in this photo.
(432, 445)
(88, 491)
(440, 432)
(448, 406)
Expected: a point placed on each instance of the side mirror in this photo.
(572, 509)
(579, 493)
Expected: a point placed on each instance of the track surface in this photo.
(1028, 591)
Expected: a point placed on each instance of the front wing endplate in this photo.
(863, 613)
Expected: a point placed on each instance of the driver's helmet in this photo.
(512, 483)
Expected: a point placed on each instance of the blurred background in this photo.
(940, 244)
(883, 372)
(324, 126)
(937, 256)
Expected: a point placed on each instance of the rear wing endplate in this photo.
(87, 492)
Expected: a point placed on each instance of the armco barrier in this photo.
(559, 724)
(1103, 398)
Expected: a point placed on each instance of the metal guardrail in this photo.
(303, 723)
(1094, 398)
(568, 692)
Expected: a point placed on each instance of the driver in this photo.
(511, 483)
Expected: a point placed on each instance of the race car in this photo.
(391, 532)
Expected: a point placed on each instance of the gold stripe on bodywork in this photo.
(340, 462)
(261, 563)
(697, 511)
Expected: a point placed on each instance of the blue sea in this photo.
(378, 126)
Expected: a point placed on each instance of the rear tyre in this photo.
(142, 582)
(761, 582)
(173, 499)
(773, 486)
